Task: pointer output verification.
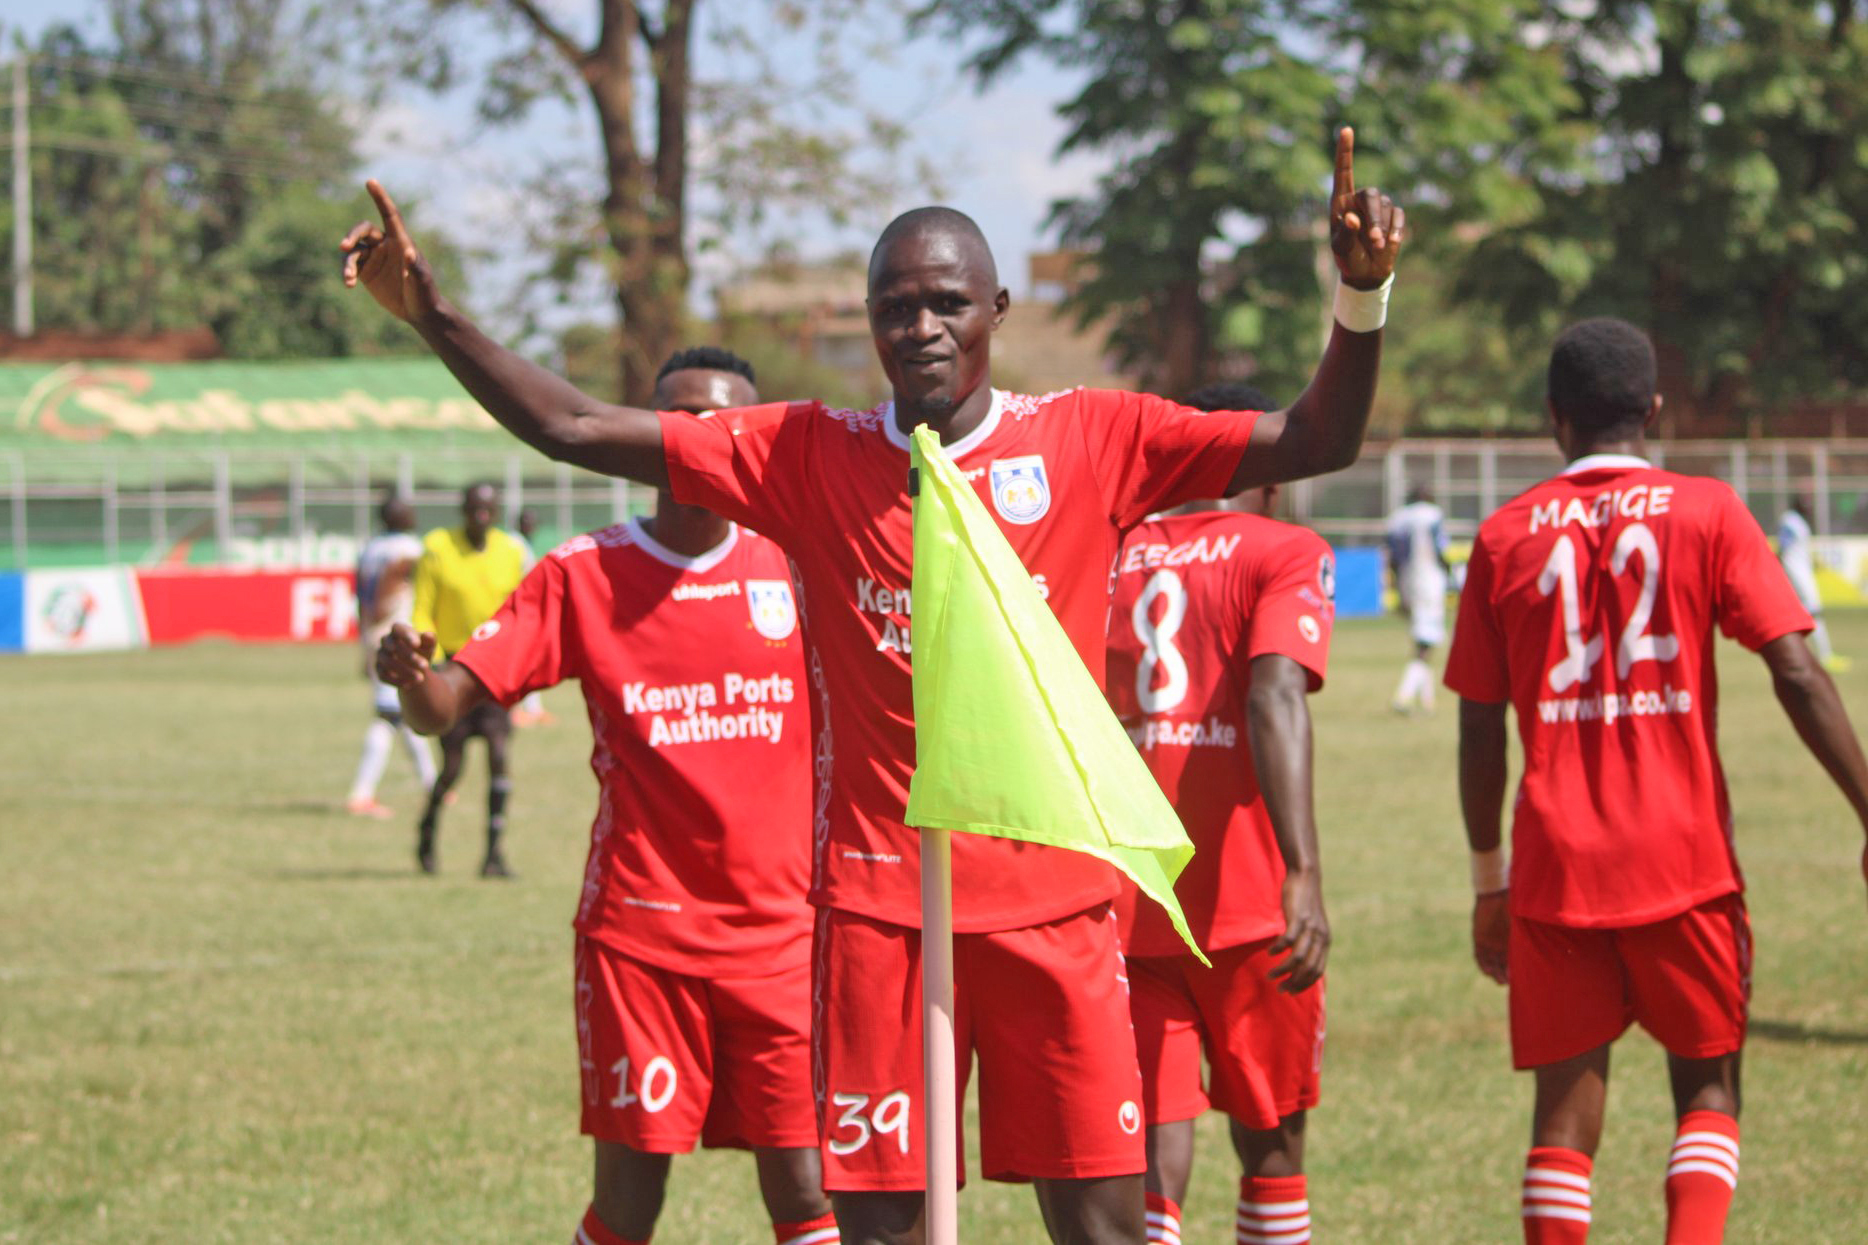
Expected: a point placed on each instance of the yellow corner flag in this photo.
(1012, 736)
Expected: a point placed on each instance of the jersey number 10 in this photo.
(1580, 654)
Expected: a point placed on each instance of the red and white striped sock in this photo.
(1163, 1220)
(592, 1231)
(1273, 1210)
(819, 1231)
(1556, 1196)
(1702, 1175)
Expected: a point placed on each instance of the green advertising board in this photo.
(111, 407)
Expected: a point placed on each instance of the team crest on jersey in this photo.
(774, 613)
(1326, 576)
(1021, 492)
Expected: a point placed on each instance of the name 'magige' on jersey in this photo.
(1590, 604)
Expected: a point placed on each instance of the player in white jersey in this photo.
(1417, 559)
(385, 596)
(1795, 550)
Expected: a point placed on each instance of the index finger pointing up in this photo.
(392, 219)
(1345, 182)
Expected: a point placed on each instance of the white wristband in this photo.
(1490, 874)
(1363, 311)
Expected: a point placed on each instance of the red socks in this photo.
(819, 1231)
(1273, 1210)
(1556, 1196)
(1163, 1220)
(592, 1232)
(1702, 1175)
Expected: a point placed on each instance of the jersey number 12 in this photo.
(1580, 653)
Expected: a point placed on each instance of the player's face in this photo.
(481, 509)
(698, 389)
(933, 304)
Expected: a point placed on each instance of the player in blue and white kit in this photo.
(1417, 559)
(385, 595)
(1795, 551)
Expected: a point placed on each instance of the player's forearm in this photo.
(1323, 430)
(1815, 709)
(1482, 748)
(445, 695)
(546, 411)
(1278, 726)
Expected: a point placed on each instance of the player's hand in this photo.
(1366, 226)
(386, 261)
(1305, 942)
(1491, 933)
(404, 656)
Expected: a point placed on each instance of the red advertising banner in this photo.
(248, 605)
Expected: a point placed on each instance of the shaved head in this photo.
(927, 223)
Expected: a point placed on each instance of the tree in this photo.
(633, 66)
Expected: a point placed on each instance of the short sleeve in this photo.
(749, 464)
(1478, 666)
(1755, 601)
(1152, 454)
(1293, 610)
(523, 647)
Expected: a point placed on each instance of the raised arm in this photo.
(1482, 743)
(1278, 727)
(1322, 430)
(434, 698)
(545, 411)
(1809, 697)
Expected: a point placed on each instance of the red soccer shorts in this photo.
(669, 1059)
(1044, 1009)
(1265, 1047)
(1686, 980)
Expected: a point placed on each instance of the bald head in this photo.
(934, 228)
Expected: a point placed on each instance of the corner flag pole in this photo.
(940, 1136)
(940, 1132)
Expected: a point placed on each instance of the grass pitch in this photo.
(230, 1013)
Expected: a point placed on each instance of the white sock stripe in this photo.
(1711, 1169)
(1555, 1212)
(1707, 1139)
(1556, 1175)
(1298, 1237)
(583, 1237)
(1163, 1236)
(1710, 1153)
(816, 1236)
(1546, 1193)
(1282, 1223)
(1300, 1207)
(1163, 1218)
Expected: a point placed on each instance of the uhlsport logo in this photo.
(67, 611)
(1021, 493)
(774, 613)
(486, 630)
(1129, 1116)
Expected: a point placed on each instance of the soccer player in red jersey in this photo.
(1039, 998)
(1219, 630)
(693, 946)
(1589, 608)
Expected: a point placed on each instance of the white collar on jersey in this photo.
(1596, 462)
(968, 443)
(696, 564)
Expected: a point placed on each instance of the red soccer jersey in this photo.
(693, 673)
(1199, 596)
(1064, 475)
(1589, 604)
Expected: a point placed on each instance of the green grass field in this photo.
(230, 1013)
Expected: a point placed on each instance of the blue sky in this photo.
(996, 147)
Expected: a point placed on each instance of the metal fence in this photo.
(261, 508)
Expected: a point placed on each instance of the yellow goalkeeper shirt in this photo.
(457, 587)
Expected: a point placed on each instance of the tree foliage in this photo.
(189, 170)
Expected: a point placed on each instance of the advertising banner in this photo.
(12, 612)
(264, 605)
(82, 611)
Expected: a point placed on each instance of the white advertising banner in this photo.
(83, 611)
